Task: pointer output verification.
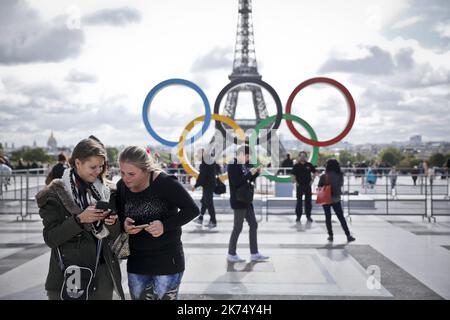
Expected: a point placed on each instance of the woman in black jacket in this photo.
(333, 176)
(207, 180)
(242, 175)
(77, 233)
(152, 207)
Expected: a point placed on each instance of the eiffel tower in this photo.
(245, 66)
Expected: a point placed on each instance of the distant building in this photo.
(416, 140)
(52, 145)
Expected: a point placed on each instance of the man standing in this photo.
(303, 174)
(58, 170)
(287, 165)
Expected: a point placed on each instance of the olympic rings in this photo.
(259, 82)
(152, 94)
(286, 116)
(276, 119)
(181, 152)
(350, 104)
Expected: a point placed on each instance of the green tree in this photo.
(390, 156)
(323, 157)
(447, 156)
(345, 156)
(31, 155)
(360, 157)
(409, 162)
(113, 154)
(437, 160)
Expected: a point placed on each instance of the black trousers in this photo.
(337, 208)
(239, 216)
(208, 204)
(305, 190)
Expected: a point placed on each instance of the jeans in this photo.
(239, 215)
(208, 203)
(149, 287)
(337, 208)
(303, 190)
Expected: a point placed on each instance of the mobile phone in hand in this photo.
(102, 205)
(142, 226)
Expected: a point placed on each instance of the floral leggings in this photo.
(150, 287)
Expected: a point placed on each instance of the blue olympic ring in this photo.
(152, 94)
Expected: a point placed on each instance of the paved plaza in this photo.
(410, 257)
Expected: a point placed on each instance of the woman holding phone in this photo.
(152, 207)
(241, 175)
(78, 231)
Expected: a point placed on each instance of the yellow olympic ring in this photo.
(181, 152)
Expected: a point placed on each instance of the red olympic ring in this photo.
(350, 104)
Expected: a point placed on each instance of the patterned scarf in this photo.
(82, 190)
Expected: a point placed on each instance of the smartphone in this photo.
(142, 226)
(102, 205)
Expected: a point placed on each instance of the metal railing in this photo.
(428, 197)
(17, 191)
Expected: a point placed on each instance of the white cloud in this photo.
(217, 58)
(377, 62)
(113, 17)
(25, 38)
(443, 29)
(81, 77)
(195, 40)
(407, 22)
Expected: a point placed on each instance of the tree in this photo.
(409, 162)
(447, 157)
(32, 155)
(437, 160)
(345, 157)
(112, 154)
(390, 156)
(360, 157)
(323, 157)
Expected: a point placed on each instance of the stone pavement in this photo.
(411, 258)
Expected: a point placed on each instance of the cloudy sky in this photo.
(84, 67)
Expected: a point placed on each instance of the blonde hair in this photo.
(138, 157)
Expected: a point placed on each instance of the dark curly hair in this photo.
(333, 166)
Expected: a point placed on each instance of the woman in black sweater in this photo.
(152, 208)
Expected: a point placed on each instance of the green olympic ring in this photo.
(286, 116)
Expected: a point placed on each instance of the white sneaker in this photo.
(198, 220)
(258, 257)
(234, 258)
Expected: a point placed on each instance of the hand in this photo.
(91, 215)
(253, 171)
(156, 228)
(129, 226)
(111, 220)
